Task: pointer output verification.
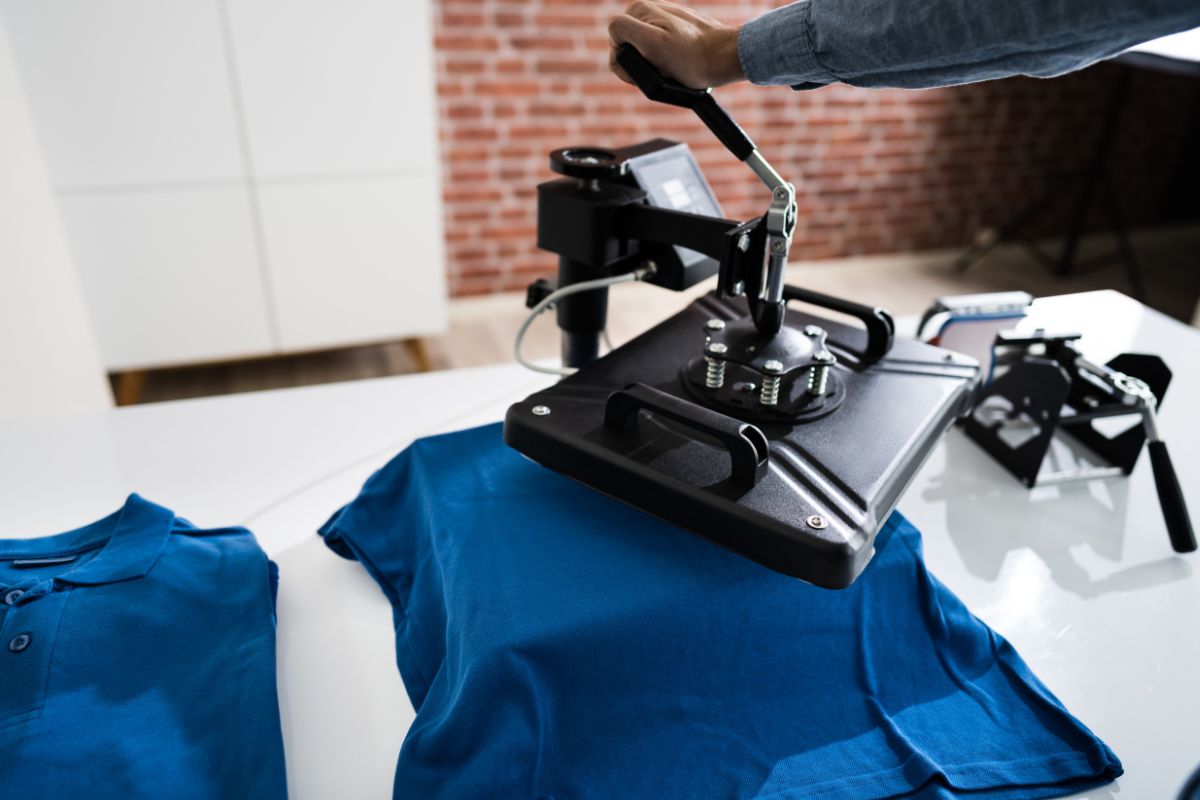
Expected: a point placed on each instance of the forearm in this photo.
(923, 43)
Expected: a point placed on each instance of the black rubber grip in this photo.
(747, 446)
(661, 89)
(1170, 496)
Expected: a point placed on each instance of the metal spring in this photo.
(770, 390)
(818, 378)
(714, 376)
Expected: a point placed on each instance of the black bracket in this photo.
(1049, 386)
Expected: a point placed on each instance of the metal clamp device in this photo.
(1044, 380)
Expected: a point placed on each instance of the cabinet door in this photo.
(170, 277)
(354, 261)
(336, 86)
(127, 91)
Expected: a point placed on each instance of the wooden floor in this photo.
(481, 330)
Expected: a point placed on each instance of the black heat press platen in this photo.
(638, 426)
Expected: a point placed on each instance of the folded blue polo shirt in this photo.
(137, 660)
(558, 644)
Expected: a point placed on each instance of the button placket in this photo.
(27, 636)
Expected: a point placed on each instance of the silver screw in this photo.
(777, 245)
(743, 242)
(818, 373)
(714, 376)
(540, 411)
(769, 396)
(715, 325)
(812, 330)
(817, 522)
(781, 194)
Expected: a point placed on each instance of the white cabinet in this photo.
(170, 277)
(348, 258)
(352, 78)
(127, 91)
(240, 177)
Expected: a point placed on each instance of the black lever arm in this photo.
(780, 219)
(662, 89)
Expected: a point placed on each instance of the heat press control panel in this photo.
(672, 179)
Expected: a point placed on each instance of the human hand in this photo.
(696, 50)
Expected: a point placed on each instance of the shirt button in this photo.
(12, 597)
(20, 642)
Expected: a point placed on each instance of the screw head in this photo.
(781, 194)
(540, 411)
(773, 366)
(777, 245)
(813, 330)
(817, 522)
(743, 242)
(715, 325)
(823, 357)
(717, 348)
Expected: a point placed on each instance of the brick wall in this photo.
(876, 171)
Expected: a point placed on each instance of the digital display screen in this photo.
(672, 180)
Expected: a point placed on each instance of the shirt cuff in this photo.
(776, 49)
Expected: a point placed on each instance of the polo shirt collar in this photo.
(131, 540)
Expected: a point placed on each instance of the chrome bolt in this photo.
(818, 373)
(743, 242)
(769, 396)
(715, 325)
(813, 330)
(540, 411)
(817, 522)
(781, 194)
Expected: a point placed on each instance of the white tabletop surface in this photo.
(1080, 578)
(1182, 46)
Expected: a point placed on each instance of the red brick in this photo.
(874, 169)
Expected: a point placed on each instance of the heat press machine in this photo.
(781, 435)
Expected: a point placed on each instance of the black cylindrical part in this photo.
(1170, 496)
(582, 316)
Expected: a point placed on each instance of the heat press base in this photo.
(831, 481)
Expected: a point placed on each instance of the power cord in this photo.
(641, 273)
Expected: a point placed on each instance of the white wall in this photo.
(49, 362)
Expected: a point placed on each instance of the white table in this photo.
(1080, 578)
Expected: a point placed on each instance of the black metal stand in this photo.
(1094, 180)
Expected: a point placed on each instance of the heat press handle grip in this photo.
(1170, 496)
(662, 89)
(747, 445)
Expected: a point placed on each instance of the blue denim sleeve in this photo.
(923, 43)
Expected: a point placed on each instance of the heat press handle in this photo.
(746, 444)
(661, 89)
(1170, 496)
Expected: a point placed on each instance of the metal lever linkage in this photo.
(780, 219)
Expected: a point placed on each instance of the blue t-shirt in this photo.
(137, 660)
(559, 644)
